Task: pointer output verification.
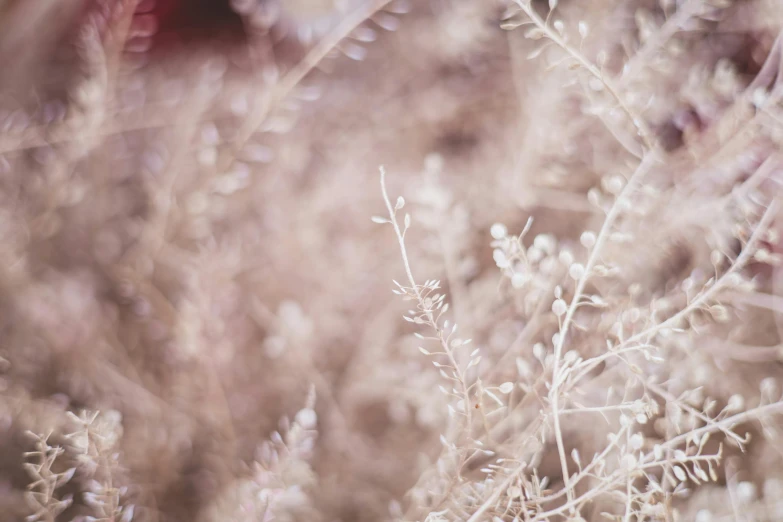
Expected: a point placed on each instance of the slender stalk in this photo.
(431, 320)
(645, 133)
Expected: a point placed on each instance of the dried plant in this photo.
(94, 448)
(185, 256)
(617, 346)
(41, 490)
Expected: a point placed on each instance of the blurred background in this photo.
(186, 245)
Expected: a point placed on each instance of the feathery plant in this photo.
(606, 374)
(665, 437)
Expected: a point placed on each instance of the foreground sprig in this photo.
(430, 307)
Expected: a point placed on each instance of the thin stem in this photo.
(741, 261)
(628, 484)
(644, 132)
(601, 239)
(648, 461)
(497, 491)
(427, 311)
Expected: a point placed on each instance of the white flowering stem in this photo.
(643, 336)
(431, 320)
(669, 398)
(739, 263)
(649, 462)
(603, 235)
(628, 486)
(587, 469)
(644, 132)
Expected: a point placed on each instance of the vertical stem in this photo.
(430, 317)
(603, 235)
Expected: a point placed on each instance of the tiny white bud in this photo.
(500, 258)
(629, 461)
(587, 239)
(679, 473)
(576, 271)
(575, 457)
(518, 280)
(736, 402)
(566, 257)
(498, 231)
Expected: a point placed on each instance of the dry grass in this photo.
(195, 315)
